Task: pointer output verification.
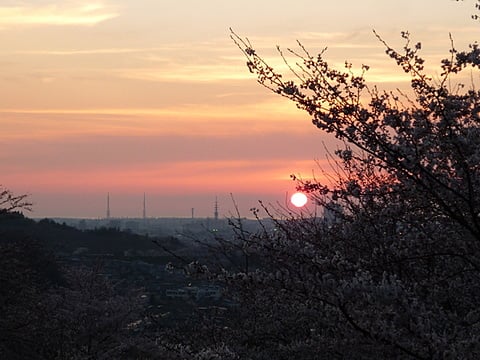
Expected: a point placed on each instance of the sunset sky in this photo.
(134, 96)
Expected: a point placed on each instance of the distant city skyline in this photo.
(214, 211)
(146, 96)
(113, 206)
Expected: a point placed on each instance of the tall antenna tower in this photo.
(108, 205)
(215, 213)
(144, 207)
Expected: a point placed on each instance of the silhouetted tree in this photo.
(53, 311)
(10, 202)
(393, 271)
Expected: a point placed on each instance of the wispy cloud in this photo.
(55, 14)
(260, 117)
(98, 51)
(187, 73)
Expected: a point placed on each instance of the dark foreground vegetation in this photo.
(70, 294)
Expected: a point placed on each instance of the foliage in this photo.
(88, 316)
(66, 239)
(56, 307)
(49, 310)
(393, 267)
(10, 202)
(25, 274)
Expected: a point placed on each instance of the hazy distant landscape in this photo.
(149, 266)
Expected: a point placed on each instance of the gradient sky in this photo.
(134, 96)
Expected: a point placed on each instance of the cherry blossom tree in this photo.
(11, 202)
(393, 271)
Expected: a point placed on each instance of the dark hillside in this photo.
(66, 239)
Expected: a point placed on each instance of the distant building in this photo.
(144, 207)
(108, 206)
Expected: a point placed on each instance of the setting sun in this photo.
(299, 199)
